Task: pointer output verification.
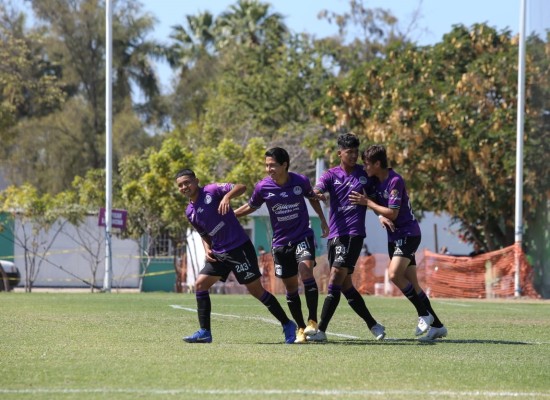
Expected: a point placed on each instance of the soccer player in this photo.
(227, 248)
(346, 235)
(389, 199)
(293, 245)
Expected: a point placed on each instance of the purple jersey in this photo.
(344, 218)
(392, 194)
(287, 207)
(225, 231)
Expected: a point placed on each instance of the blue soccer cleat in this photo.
(200, 336)
(289, 329)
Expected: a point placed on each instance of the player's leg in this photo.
(204, 308)
(357, 303)
(258, 291)
(397, 268)
(286, 269)
(293, 300)
(337, 276)
(305, 255)
(311, 293)
(437, 329)
(337, 251)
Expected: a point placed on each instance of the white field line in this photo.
(278, 392)
(267, 320)
(274, 322)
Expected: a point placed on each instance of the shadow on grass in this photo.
(404, 342)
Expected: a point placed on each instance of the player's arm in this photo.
(225, 203)
(319, 211)
(244, 210)
(207, 244)
(361, 199)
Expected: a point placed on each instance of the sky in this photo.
(436, 17)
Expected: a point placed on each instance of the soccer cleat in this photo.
(311, 328)
(289, 329)
(200, 336)
(320, 336)
(424, 323)
(378, 331)
(434, 333)
(300, 336)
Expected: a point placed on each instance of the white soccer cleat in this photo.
(424, 323)
(311, 328)
(378, 331)
(434, 333)
(320, 336)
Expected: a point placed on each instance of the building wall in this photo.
(66, 261)
(6, 238)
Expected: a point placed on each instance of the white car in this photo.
(9, 275)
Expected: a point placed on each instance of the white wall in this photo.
(68, 264)
(430, 226)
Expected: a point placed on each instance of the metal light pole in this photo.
(519, 150)
(108, 278)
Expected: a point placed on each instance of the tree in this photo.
(447, 114)
(29, 85)
(36, 225)
(193, 53)
(71, 140)
(363, 34)
(250, 23)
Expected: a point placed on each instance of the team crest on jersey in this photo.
(207, 199)
(363, 180)
(297, 190)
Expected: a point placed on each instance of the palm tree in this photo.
(192, 43)
(250, 23)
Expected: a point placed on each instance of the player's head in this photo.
(347, 141)
(348, 150)
(376, 153)
(279, 155)
(186, 172)
(187, 183)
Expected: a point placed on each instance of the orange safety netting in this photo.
(488, 275)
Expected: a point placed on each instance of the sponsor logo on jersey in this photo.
(283, 194)
(249, 275)
(216, 228)
(337, 182)
(269, 194)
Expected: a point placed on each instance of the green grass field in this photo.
(128, 346)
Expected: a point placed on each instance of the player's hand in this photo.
(324, 229)
(321, 197)
(386, 222)
(209, 256)
(224, 206)
(358, 198)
